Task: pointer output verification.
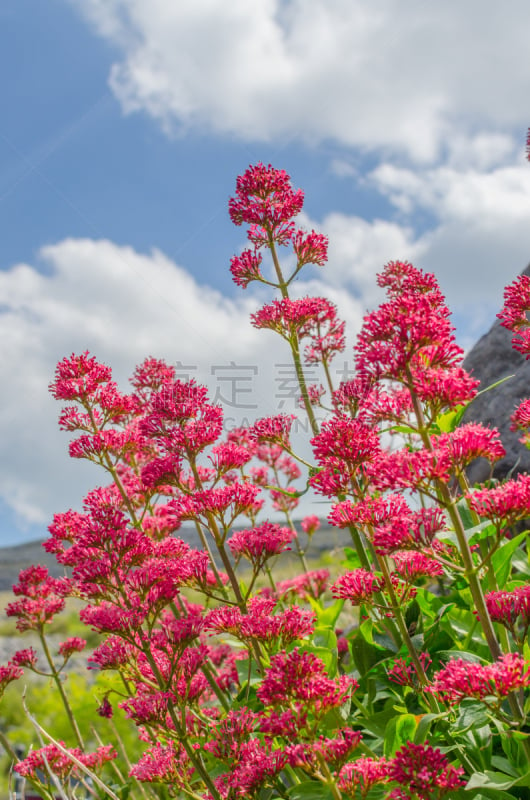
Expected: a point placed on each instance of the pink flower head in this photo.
(313, 318)
(150, 376)
(261, 624)
(255, 766)
(357, 778)
(232, 733)
(310, 248)
(266, 201)
(315, 393)
(400, 276)
(72, 645)
(511, 609)
(411, 565)
(310, 584)
(58, 762)
(358, 586)
(504, 504)
(468, 442)
(403, 672)
(514, 313)
(274, 430)
(301, 678)
(12, 671)
(520, 420)
(460, 678)
(308, 756)
(228, 455)
(409, 333)
(343, 448)
(424, 771)
(261, 543)
(310, 524)
(79, 377)
(225, 503)
(164, 764)
(42, 597)
(389, 521)
(246, 268)
(25, 658)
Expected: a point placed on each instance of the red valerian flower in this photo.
(411, 565)
(460, 678)
(310, 248)
(25, 658)
(150, 376)
(164, 764)
(254, 767)
(301, 678)
(504, 504)
(521, 418)
(358, 586)
(12, 671)
(358, 777)
(72, 645)
(266, 201)
(273, 430)
(50, 758)
(309, 756)
(511, 609)
(105, 709)
(310, 524)
(42, 597)
(403, 672)
(261, 624)
(246, 268)
(310, 584)
(79, 377)
(261, 543)
(412, 330)
(343, 448)
(514, 313)
(424, 771)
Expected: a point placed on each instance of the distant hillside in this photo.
(19, 557)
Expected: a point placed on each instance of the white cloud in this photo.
(480, 235)
(121, 306)
(420, 78)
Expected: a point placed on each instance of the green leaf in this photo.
(309, 790)
(502, 559)
(323, 637)
(424, 726)
(327, 617)
(399, 731)
(352, 559)
(490, 780)
(494, 385)
(123, 790)
(470, 713)
(451, 419)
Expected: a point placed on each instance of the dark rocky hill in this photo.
(493, 359)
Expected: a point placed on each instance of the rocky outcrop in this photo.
(491, 360)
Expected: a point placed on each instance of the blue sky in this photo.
(124, 126)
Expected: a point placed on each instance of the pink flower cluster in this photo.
(460, 679)
(421, 771)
